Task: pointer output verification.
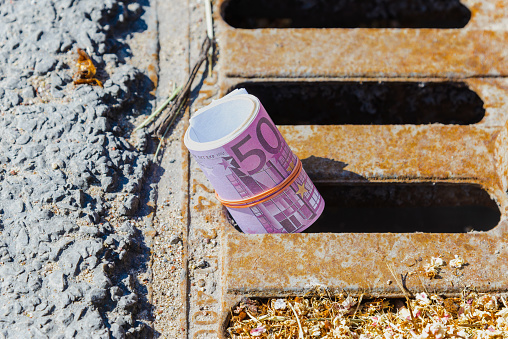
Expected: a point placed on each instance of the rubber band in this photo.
(266, 195)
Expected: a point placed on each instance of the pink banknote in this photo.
(243, 154)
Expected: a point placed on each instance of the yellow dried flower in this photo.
(434, 267)
(488, 302)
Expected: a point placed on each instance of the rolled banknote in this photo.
(254, 172)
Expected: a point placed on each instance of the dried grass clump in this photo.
(473, 315)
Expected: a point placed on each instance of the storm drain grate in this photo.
(403, 130)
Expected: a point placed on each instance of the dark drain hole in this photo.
(367, 103)
(405, 208)
(345, 14)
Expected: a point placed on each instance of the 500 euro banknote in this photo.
(243, 154)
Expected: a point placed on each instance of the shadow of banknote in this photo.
(324, 170)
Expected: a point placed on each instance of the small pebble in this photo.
(202, 264)
(174, 240)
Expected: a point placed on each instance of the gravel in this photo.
(69, 174)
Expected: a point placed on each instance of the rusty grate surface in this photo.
(478, 49)
(410, 134)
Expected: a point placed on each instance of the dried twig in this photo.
(358, 305)
(406, 294)
(209, 32)
(162, 139)
(160, 108)
(165, 121)
(300, 330)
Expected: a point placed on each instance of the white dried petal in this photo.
(280, 304)
(436, 262)
(436, 331)
(404, 314)
(339, 321)
(432, 269)
(256, 332)
(388, 334)
(423, 299)
(301, 309)
(437, 299)
(315, 331)
(349, 302)
(501, 322)
(341, 331)
(458, 262)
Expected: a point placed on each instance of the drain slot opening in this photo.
(345, 14)
(405, 208)
(367, 103)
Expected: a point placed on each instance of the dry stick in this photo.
(252, 317)
(300, 330)
(405, 295)
(166, 120)
(504, 302)
(209, 32)
(161, 140)
(160, 108)
(358, 306)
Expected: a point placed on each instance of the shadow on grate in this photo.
(345, 14)
(405, 208)
(367, 103)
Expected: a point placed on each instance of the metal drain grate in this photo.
(403, 129)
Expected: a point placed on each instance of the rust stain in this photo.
(455, 153)
(208, 234)
(475, 10)
(356, 262)
(204, 203)
(363, 52)
(196, 184)
(152, 74)
(502, 157)
(208, 209)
